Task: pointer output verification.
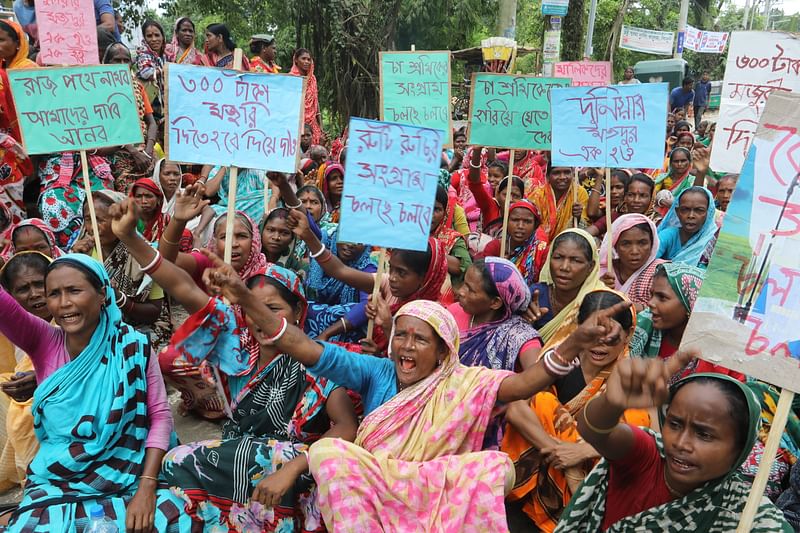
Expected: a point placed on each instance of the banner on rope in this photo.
(75, 108)
(511, 111)
(709, 42)
(67, 32)
(415, 89)
(609, 126)
(231, 118)
(648, 41)
(392, 171)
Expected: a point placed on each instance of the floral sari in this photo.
(557, 214)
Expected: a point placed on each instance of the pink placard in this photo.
(67, 32)
(585, 73)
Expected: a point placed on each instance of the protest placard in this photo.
(511, 111)
(231, 118)
(759, 64)
(648, 41)
(75, 108)
(392, 171)
(609, 126)
(585, 73)
(415, 89)
(709, 42)
(748, 308)
(67, 32)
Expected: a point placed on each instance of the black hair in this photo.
(312, 189)
(223, 31)
(642, 178)
(299, 52)
(687, 81)
(598, 300)
(342, 155)
(5, 219)
(93, 279)
(516, 182)
(257, 46)
(36, 262)
(147, 23)
(488, 284)
(681, 124)
(499, 164)
(111, 47)
(645, 227)
(6, 27)
(695, 189)
(105, 39)
(101, 199)
(441, 196)
(286, 295)
(578, 240)
(737, 404)
(180, 22)
(417, 261)
(459, 133)
(622, 176)
(278, 212)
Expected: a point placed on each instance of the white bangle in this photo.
(473, 165)
(277, 337)
(319, 253)
(298, 206)
(152, 263)
(122, 300)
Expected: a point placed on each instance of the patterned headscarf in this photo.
(510, 285)
(292, 282)
(151, 230)
(685, 280)
(440, 320)
(619, 226)
(530, 255)
(41, 225)
(255, 261)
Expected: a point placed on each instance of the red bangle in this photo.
(149, 271)
(326, 257)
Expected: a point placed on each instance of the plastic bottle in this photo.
(98, 523)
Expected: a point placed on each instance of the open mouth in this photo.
(70, 318)
(407, 364)
(680, 466)
(38, 305)
(598, 355)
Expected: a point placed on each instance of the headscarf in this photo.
(167, 206)
(8, 112)
(20, 59)
(592, 282)
(530, 255)
(444, 232)
(311, 105)
(293, 284)
(691, 252)
(151, 230)
(323, 186)
(40, 225)
(714, 507)
(329, 289)
(435, 277)
(189, 56)
(622, 224)
(256, 261)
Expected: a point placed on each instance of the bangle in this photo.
(314, 255)
(281, 330)
(598, 191)
(324, 259)
(473, 165)
(122, 301)
(154, 264)
(344, 324)
(560, 359)
(167, 241)
(553, 368)
(597, 430)
(298, 206)
(149, 477)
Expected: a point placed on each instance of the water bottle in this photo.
(98, 523)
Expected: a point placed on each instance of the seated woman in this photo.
(314, 202)
(635, 242)
(101, 412)
(561, 201)
(527, 241)
(416, 464)
(251, 186)
(33, 235)
(337, 311)
(688, 231)
(596, 205)
(542, 438)
(255, 477)
(492, 207)
(684, 479)
(570, 272)
(676, 179)
(455, 245)
(639, 197)
(168, 176)
(278, 243)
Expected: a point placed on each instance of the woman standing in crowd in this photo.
(332, 186)
(562, 202)
(279, 244)
(542, 438)
(264, 49)
(688, 232)
(219, 47)
(182, 49)
(150, 58)
(634, 242)
(303, 65)
(687, 476)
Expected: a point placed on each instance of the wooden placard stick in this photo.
(575, 185)
(232, 185)
(610, 257)
(509, 184)
(376, 290)
(87, 185)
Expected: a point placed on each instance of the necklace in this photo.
(669, 487)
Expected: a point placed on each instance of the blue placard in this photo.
(548, 9)
(226, 117)
(391, 175)
(615, 126)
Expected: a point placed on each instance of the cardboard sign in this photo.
(391, 175)
(585, 73)
(67, 32)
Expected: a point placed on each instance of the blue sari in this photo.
(90, 417)
(249, 192)
(693, 251)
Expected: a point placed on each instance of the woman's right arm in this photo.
(189, 203)
(29, 332)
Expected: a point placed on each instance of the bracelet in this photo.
(473, 165)
(344, 324)
(275, 338)
(154, 264)
(598, 191)
(560, 359)
(298, 206)
(314, 255)
(122, 301)
(597, 430)
(553, 368)
(148, 477)
(167, 241)
(327, 257)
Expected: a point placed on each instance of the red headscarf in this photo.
(152, 229)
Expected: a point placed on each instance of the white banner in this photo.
(708, 42)
(759, 63)
(648, 41)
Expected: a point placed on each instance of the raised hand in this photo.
(599, 328)
(641, 383)
(189, 202)
(701, 158)
(298, 223)
(124, 217)
(222, 280)
(534, 311)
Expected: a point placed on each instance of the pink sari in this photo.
(312, 102)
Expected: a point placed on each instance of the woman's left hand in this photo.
(563, 455)
(271, 489)
(701, 157)
(140, 514)
(140, 160)
(577, 210)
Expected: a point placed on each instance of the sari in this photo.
(570, 311)
(151, 230)
(250, 192)
(311, 106)
(39, 224)
(92, 439)
(259, 65)
(326, 170)
(528, 169)
(416, 464)
(150, 71)
(290, 258)
(277, 413)
(175, 54)
(545, 490)
(557, 214)
(692, 252)
(639, 285)
(713, 508)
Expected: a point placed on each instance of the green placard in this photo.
(508, 111)
(415, 89)
(75, 108)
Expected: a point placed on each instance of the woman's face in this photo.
(312, 203)
(561, 178)
(270, 297)
(628, 73)
(670, 124)
(147, 201)
(685, 142)
(600, 356)
(692, 211)
(617, 191)
(335, 183)
(516, 195)
(633, 247)
(27, 288)
(416, 349)
(213, 41)
(666, 308)
(460, 142)
(154, 38)
(303, 62)
(679, 163)
(186, 34)
(8, 46)
(30, 239)
(403, 281)
(699, 444)
(276, 237)
(473, 297)
(107, 237)
(170, 178)
(119, 56)
(72, 301)
(348, 251)
(495, 176)
(438, 215)
(638, 197)
(268, 52)
(569, 266)
(242, 243)
(521, 225)
(725, 189)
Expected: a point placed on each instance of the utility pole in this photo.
(590, 34)
(682, 20)
(746, 13)
(507, 19)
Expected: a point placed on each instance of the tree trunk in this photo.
(573, 32)
(616, 28)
